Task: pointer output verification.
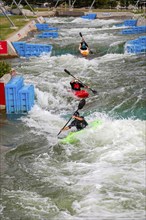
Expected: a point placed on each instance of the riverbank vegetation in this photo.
(4, 68)
(108, 4)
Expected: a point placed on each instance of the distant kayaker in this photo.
(76, 85)
(79, 122)
(83, 45)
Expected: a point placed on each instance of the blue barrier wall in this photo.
(11, 94)
(48, 35)
(45, 27)
(26, 49)
(128, 23)
(136, 46)
(26, 97)
(19, 97)
(89, 16)
(134, 30)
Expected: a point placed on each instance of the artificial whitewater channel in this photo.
(102, 177)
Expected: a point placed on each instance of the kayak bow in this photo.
(84, 52)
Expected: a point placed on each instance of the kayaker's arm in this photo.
(69, 126)
(86, 44)
(79, 46)
(78, 118)
(84, 86)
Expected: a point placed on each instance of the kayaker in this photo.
(79, 122)
(83, 45)
(76, 85)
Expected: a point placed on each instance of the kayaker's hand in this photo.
(66, 128)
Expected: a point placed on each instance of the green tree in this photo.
(122, 3)
(106, 3)
(81, 3)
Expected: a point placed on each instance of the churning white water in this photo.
(102, 176)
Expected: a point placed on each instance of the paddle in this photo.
(85, 41)
(80, 106)
(94, 91)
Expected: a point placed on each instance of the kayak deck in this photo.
(81, 94)
(72, 137)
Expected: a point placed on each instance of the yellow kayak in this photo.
(84, 52)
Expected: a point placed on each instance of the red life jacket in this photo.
(76, 86)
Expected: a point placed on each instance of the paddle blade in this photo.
(80, 34)
(65, 70)
(81, 104)
(94, 91)
(91, 52)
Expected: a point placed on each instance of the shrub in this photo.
(4, 68)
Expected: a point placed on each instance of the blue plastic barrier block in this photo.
(84, 16)
(142, 29)
(92, 15)
(30, 48)
(51, 29)
(134, 30)
(138, 49)
(45, 48)
(127, 31)
(48, 35)
(34, 49)
(37, 49)
(119, 25)
(11, 93)
(130, 22)
(40, 36)
(41, 27)
(89, 16)
(45, 27)
(135, 48)
(142, 40)
(134, 42)
(26, 96)
(129, 49)
(19, 47)
(19, 44)
(48, 48)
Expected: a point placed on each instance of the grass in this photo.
(6, 27)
